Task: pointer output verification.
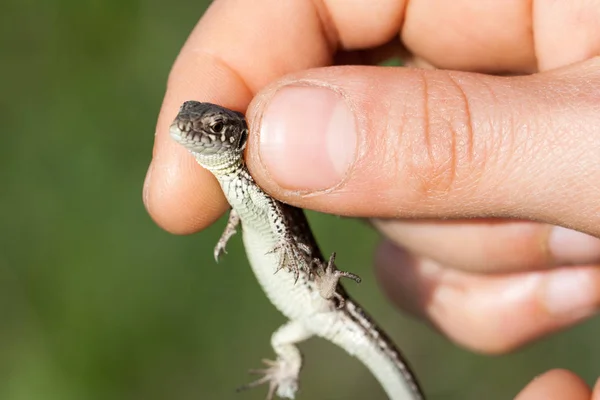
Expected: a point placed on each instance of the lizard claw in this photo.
(328, 277)
(304, 248)
(230, 229)
(290, 255)
(282, 379)
(219, 250)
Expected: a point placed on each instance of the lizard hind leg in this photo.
(277, 376)
(282, 374)
(328, 276)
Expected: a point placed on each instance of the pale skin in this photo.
(430, 149)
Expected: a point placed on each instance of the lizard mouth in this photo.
(195, 141)
(176, 133)
(182, 133)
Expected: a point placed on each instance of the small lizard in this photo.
(287, 262)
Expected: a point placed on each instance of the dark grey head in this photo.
(208, 129)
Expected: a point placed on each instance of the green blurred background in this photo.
(96, 302)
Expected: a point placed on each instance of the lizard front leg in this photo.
(291, 253)
(230, 229)
(282, 374)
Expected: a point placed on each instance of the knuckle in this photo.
(443, 159)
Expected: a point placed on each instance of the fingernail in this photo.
(575, 293)
(307, 138)
(572, 247)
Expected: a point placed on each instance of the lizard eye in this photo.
(217, 127)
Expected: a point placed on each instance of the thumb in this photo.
(396, 142)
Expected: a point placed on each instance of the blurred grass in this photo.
(96, 302)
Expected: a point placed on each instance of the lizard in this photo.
(287, 262)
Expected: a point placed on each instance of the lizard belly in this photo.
(294, 299)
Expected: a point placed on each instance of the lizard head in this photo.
(210, 132)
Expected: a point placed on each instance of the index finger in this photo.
(236, 48)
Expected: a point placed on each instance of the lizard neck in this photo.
(221, 165)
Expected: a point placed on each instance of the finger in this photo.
(495, 29)
(565, 32)
(213, 66)
(596, 395)
(236, 48)
(382, 142)
(502, 36)
(489, 313)
(557, 384)
(492, 245)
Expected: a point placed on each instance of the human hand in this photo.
(399, 143)
(558, 385)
